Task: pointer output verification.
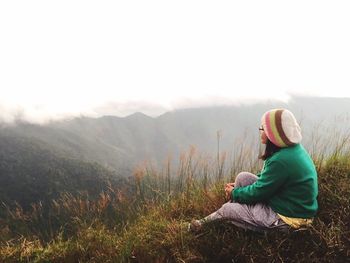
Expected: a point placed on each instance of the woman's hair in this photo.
(270, 150)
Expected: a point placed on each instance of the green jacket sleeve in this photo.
(271, 178)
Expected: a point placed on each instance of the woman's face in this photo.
(263, 137)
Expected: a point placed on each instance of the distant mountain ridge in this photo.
(121, 143)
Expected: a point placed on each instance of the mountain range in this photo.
(121, 143)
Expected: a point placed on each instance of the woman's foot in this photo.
(195, 226)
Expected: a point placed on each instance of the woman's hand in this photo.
(228, 190)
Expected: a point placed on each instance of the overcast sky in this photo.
(60, 58)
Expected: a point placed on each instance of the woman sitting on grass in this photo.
(284, 193)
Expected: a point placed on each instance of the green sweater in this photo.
(287, 183)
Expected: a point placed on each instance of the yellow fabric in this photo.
(295, 222)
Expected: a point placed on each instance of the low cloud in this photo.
(43, 113)
(11, 113)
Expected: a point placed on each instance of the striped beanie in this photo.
(281, 127)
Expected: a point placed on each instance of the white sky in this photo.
(116, 57)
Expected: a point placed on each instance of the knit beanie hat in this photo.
(281, 127)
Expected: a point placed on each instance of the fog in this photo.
(70, 58)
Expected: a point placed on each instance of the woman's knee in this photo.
(245, 178)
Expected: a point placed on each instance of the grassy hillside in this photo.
(150, 225)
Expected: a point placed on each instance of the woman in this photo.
(284, 193)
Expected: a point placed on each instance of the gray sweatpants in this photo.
(257, 217)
